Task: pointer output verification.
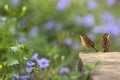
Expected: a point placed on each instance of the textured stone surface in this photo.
(109, 70)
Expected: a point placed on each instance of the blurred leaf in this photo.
(92, 66)
(25, 58)
(11, 61)
(4, 63)
(0, 66)
(64, 78)
(14, 49)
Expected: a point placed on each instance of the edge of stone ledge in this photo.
(98, 52)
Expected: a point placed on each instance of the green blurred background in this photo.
(50, 27)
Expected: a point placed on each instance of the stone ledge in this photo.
(109, 70)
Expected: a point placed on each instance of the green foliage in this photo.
(41, 26)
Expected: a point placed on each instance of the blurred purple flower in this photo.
(110, 2)
(107, 17)
(30, 63)
(25, 77)
(43, 63)
(112, 29)
(49, 25)
(98, 29)
(15, 77)
(92, 5)
(34, 31)
(22, 40)
(62, 4)
(64, 70)
(78, 20)
(75, 46)
(88, 20)
(15, 2)
(35, 56)
(68, 41)
(29, 69)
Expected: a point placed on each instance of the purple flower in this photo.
(34, 31)
(110, 2)
(49, 25)
(78, 20)
(64, 70)
(15, 2)
(98, 29)
(43, 63)
(112, 29)
(88, 20)
(68, 41)
(22, 40)
(29, 66)
(25, 77)
(30, 63)
(29, 69)
(15, 77)
(62, 4)
(92, 5)
(35, 56)
(107, 17)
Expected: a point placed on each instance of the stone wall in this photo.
(109, 70)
